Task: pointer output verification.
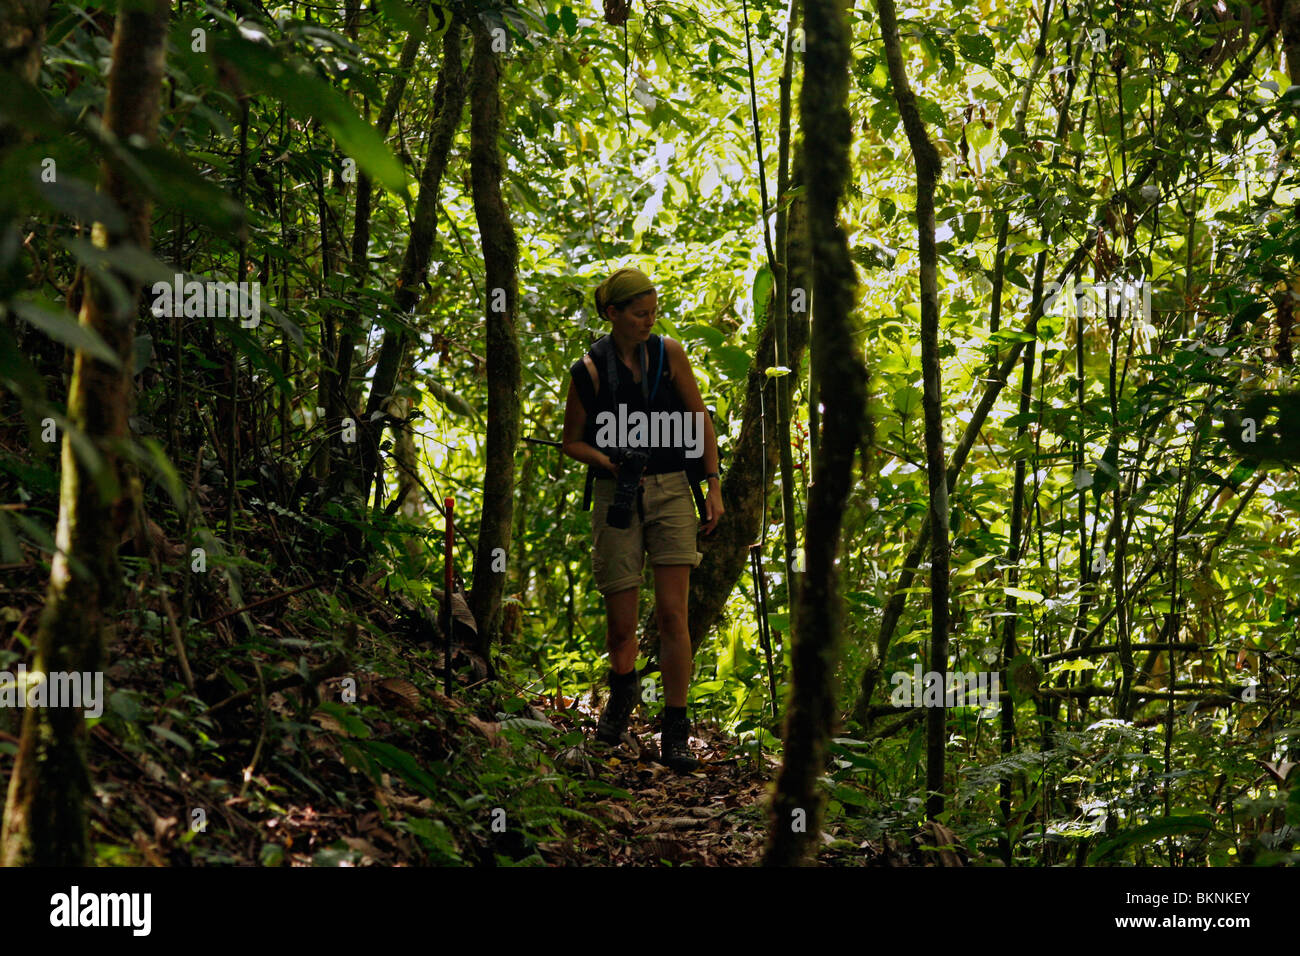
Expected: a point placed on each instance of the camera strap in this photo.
(645, 375)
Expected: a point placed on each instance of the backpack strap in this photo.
(602, 350)
(659, 371)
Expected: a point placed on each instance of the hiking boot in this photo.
(674, 743)
(612, 727)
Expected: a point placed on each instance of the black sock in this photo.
(674, 713)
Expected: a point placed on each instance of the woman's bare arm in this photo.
(575, 423)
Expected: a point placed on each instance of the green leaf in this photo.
(569, 19)
(733, 360)
(761, 291)
(62, 327)
(1033, 597)
(271, 854)
(931, 112)
(155, 457)
(1155, 829)
(850, 795)
(972, 566)
(977, 48)
(1071, 667)
(307, 96)
(72, 197)
(172, 736)
(450, 400)
(397, 11)
(776, 371)
(706, 333)
(907, 399)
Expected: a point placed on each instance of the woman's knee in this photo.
(671, 620)
(618, 634)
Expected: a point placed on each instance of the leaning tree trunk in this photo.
(927, 171)
(500, 263)
(340, 376)
(797, 805)
(726, 551)
(45, 815)
(449, 95)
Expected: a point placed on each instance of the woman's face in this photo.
(637, 319)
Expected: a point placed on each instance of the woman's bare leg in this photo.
(672, 588)
(620, 630)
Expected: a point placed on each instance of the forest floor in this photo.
(318, 731)
(713, 816)
(368, 762)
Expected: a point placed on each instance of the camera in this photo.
(631, 464)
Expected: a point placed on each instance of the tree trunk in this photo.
(500, 263)
(45, 822)
(796, 805)
(340, 376)
(927, 171)
(450, 97)
(726, 551)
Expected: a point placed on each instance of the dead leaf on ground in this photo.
(490, 729)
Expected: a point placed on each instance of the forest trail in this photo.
(402, 772)
(714, 816)
(397, 773)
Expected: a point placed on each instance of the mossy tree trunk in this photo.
(797, 803)
(501, 263)
(45, 814)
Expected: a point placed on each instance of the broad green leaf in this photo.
(59, 325)
(761, 291)
(733, 360)
(977, 48)
(307, 96)
(1154, 830)
(569, 19)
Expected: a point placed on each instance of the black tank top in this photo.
(629, 395)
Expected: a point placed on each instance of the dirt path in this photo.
(713, 817)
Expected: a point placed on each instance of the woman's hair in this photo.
(621, 289)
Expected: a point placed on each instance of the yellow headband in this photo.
(622, 285)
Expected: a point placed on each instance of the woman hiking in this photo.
(635, 417)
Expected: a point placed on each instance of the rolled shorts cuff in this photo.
(625, 583)
(693, 558)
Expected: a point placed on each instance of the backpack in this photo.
(602, 351)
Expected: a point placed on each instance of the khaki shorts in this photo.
(667, 533)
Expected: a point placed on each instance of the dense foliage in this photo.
(1116, 241)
